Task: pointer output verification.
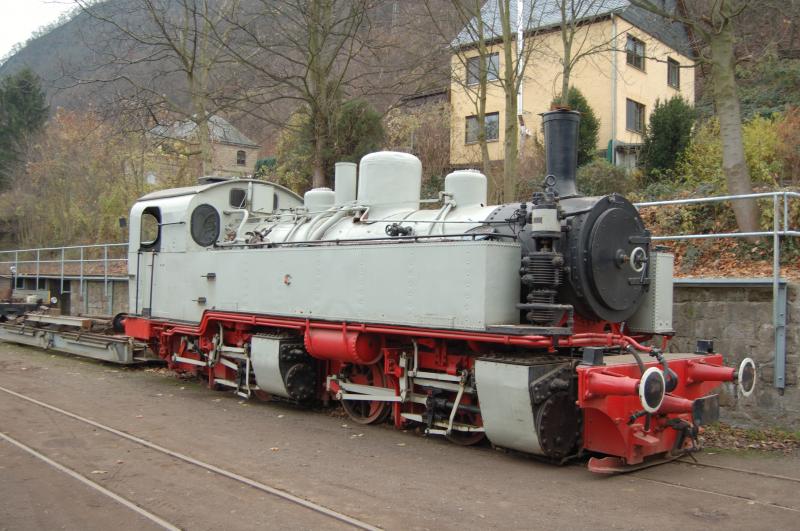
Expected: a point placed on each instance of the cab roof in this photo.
(191, 190)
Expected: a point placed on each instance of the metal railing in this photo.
(781, 228)
(79, 262)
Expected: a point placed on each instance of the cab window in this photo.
(150, 231)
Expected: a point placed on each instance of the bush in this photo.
(423, 131)
(700, 167)
(589, 127)
(600, 177)
(699, 173)
(667, 136)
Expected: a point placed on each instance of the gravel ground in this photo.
(391, 479)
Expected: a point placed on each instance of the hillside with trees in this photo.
(315, 81)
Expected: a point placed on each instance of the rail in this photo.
(781, 228)
(106, 261)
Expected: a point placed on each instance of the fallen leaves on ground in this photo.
(727, 437)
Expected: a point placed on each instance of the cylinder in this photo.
(345, 178)
(561, 149)
(390, 180)
(344, 346)
(467, 187)
(318, 199)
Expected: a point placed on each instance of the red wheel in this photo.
(366, 411)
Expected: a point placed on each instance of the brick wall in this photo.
(224, 160)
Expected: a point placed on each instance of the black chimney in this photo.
(561, 149)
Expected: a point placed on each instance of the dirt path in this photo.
(387, 478)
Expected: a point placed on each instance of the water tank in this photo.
(318, 199)
(390, 179)
(468, 187)
(345, 182)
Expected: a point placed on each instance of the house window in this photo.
(241, 158)
(673, 73)
(635, 52)
(473, 129)
(634, 116)
(474, 69)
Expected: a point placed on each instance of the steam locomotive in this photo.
(524, 323)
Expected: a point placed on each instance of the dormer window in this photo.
(241, 158)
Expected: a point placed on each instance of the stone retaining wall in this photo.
(739, 320)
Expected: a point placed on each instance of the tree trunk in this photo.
(726, 101)
(567, 34)
(511, 129)
(495, 188)
(318, 164)
(205, 147)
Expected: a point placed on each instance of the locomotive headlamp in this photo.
(746, 376)
(652, 389)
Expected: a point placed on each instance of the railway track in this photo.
(737, 470)
(174, 455)
(733, 471)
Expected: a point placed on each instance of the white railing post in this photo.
(105, 278)
(62, 272)
(780, 359)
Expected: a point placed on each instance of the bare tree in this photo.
(313, 54)
(713, 24)
(511, 26)
(578, 41)
(470, 71)
(179, 40)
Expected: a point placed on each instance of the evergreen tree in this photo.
(22, 113)
(356, 131)
(589, 126)
(667, 135)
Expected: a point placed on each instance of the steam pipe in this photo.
(320, 231)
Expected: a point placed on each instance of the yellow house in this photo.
(635, 59)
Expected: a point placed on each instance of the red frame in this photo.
(606, 428)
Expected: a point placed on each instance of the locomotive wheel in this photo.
(365, 411)
(466, 438)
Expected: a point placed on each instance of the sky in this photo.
(20, 18)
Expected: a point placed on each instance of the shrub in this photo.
(700, 167)
(600, 177)
(668, 134)
(423, 131)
